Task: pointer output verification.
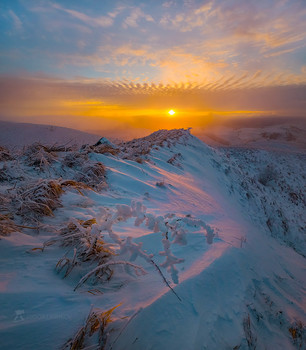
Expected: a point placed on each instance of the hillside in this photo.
(161, 242)
(20, 134)
(289, 136)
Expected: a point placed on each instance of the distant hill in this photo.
(21, 134)
(286, 135)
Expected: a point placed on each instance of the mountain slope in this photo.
(23, 134)
(216, 278)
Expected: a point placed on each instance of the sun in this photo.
(171, 112)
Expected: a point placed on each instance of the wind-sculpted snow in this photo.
(157, 243)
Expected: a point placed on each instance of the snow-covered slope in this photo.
(285, 137)
(21, 134)
(186, 241)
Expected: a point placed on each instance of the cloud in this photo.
(135, 15)
(16, 20)
(168, 4)
(102, 21)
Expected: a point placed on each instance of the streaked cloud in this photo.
(16, 20)
(101, 21)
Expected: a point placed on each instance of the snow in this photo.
(23, 134)
(284, 137)
(196, 263)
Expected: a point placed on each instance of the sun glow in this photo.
(171, 112)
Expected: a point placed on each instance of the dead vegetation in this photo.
(60, 168)
(5, 154)
(75, 159)
(105, 149)
(76, 185)
(298, 333)
(250, 337)
(93, 175)
(38, 199)
(7, 226)
(97, 323)
(39, 156)
(89, 247)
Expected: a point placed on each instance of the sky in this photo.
(106, 64)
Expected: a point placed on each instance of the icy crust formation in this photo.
(167, 238)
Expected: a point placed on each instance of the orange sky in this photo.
(113, 65)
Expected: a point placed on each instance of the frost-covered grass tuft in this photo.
(38, 199)
(96, 326)
(7, 226)
(79, 186)
(93, 175)
(74, 159)
(5, 154)
(105, 149)
(88, 248)
(298, 334)
(39, 156)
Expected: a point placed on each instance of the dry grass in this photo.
(105, 149)
(5, 154)
(97, 322)
(7, 226)
(11, 172)
(76, 185)
(93, 175)
(298, 333)
(250, 337)
(39, 199)
(75, 159)
(4, 202)
(88, 247)
(39, 156)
